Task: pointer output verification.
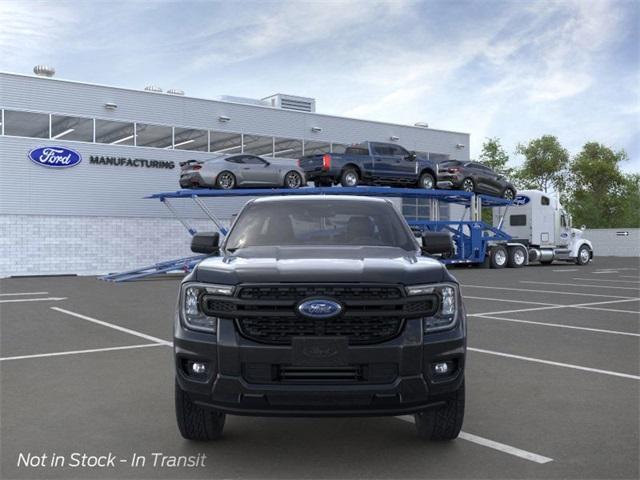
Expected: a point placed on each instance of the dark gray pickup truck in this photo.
(319, 306)
(371, 163)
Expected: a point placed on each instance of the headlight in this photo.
(192, 314)
(446, 315)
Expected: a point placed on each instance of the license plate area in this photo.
(319, 351)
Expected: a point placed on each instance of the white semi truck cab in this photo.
(537, 221)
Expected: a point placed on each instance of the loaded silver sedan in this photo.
(241, 170)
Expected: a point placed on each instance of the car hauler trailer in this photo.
(539, 222)
(475, 242)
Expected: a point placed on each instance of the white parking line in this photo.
(77, 352)
(528, 302)
(604, 280)
(529, 290)
(23, 293)
(567, 270)
(115, 327)
(588, 306)
(580, 285)
(20, 300)
(628, 276)
(558, 325)
(555, 364)
(501, 447)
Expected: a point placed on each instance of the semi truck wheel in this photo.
(584, 255)
(499, 257)
(195, 422)
(443, 423)
(517, 257)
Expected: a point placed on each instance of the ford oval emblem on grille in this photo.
(319, 308)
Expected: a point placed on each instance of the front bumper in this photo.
(243, 374)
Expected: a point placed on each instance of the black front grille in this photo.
(280, 330)
(339, 292)
(371, 313)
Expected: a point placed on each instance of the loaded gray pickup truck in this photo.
(319, 306)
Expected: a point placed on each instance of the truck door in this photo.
(404, 167)
(383, 161)
(565, 230)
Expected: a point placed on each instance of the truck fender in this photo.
(576, 247)
(354, 166)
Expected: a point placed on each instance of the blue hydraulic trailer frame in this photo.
(472, 237)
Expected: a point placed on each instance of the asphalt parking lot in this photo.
(552, 386)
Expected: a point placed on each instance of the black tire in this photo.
(427, 181)
(468, 185)
(517, 257)
(584, 255)
(443, 423)
(195, 422)
(226, 180)
(293, 180)
(349, 177)
(499, 256)
(508, 194)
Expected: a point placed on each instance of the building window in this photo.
(258, 145)
(26, 124)
(287, 148)
(71, 128)
(315, 148)
(190, 139)
(225, 142)
(114, 133)
(157, 136)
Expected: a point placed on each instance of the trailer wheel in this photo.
(584, 255)
(499, 257)
(517, 257)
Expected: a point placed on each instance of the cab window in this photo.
(544, 201)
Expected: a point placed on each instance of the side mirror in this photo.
(437, 243)
(208, 243)
(412, 156)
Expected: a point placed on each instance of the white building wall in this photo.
(612, 242)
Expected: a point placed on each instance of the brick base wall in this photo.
(53, 245)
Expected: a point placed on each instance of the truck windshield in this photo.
(322, 222)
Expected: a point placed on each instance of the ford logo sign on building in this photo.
(55, 157)
(319, 308)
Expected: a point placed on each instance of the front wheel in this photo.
(226, 180)
(427, 181)
(349, 178)
(584, 255)
(442, 423)
(195, 422)
(293, 179)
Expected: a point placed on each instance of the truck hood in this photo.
(321, 264)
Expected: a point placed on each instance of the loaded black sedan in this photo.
(474, 177)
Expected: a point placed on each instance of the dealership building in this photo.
(92, 217)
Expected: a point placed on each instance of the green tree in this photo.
(545, 164)
(600, 195)
(494, 156)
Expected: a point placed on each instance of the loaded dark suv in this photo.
(319, 306)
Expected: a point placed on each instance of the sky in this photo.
(509, 69)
